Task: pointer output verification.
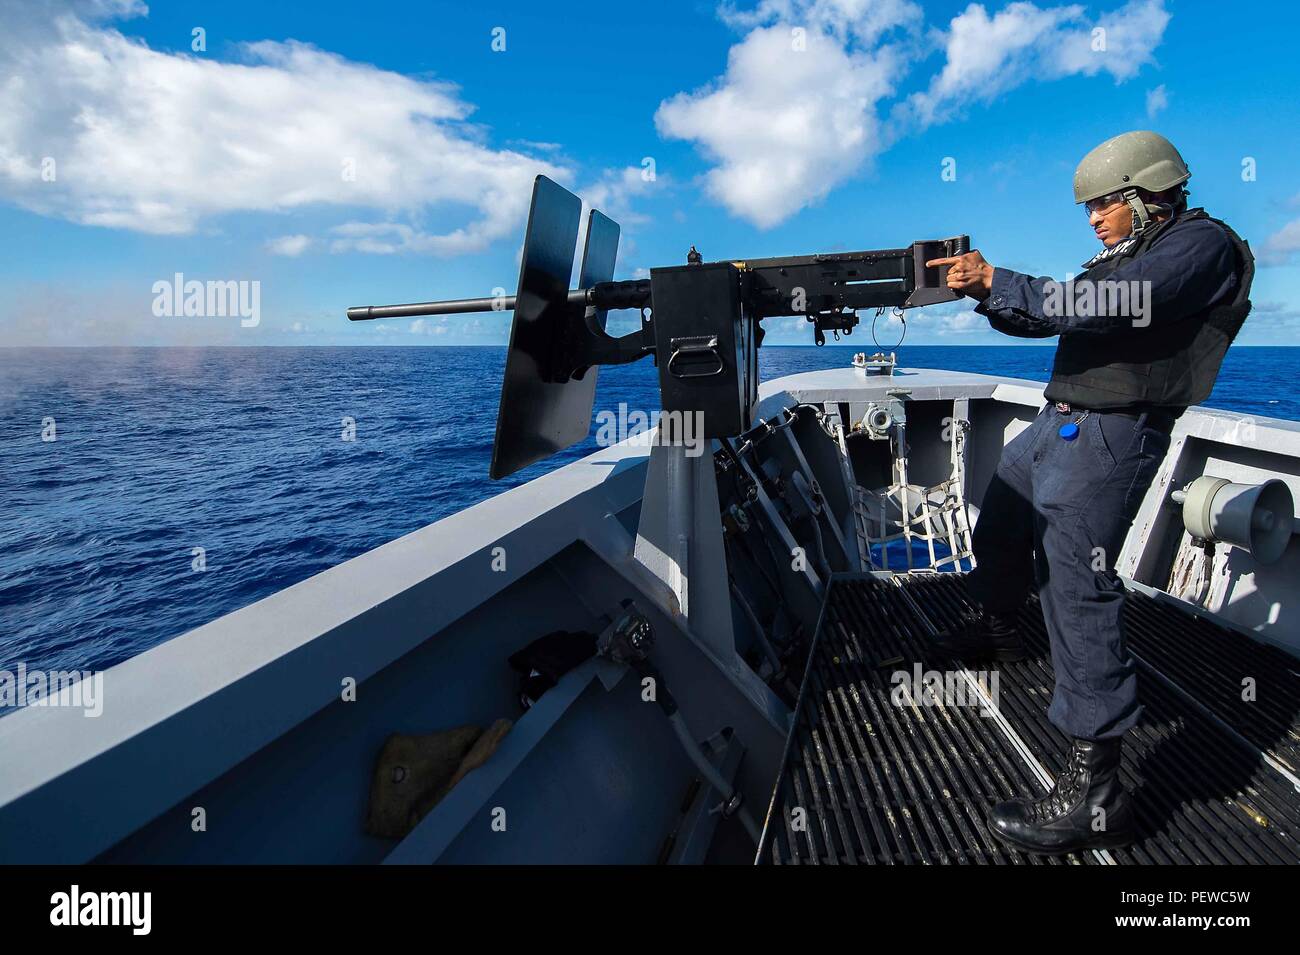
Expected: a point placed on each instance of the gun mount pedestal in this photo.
(679, 539)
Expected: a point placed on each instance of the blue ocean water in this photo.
(240, 452)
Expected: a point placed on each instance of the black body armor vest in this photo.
(1168, 365)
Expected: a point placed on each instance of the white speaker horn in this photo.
(1258, 517)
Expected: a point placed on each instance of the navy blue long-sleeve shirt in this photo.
(1193, 265)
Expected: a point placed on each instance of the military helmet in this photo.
(1140, 159)
(1126, 163)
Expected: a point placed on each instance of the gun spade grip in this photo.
(930, 283)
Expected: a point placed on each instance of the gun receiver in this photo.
(703, 329)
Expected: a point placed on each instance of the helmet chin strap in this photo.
(1141, 216)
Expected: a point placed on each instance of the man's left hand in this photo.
(968, 274)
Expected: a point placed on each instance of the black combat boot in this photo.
(984, 636)
(1088, 808)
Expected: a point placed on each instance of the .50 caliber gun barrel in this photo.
(630, 294)
(361, 313)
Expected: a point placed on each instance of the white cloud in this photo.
(862, 21)
(782, 128)
(1157, 99)
(613, 192)
(163, 142)
(985, 56)
(963, 323)
(1280, 247)
(943, 321)
(290, 245)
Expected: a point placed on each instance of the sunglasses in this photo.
(1103, 204)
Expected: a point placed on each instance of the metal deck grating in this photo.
(884, 783)
(1194, 652)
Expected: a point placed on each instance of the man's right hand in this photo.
(968, 274)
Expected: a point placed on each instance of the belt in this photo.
(1162, 419)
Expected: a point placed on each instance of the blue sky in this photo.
(230, 163)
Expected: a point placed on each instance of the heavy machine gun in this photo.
(700, 322)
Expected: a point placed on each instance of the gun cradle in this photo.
(705, 340)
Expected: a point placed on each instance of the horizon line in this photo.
(839, 345)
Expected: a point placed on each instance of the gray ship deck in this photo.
(245, 718)
(881, 783)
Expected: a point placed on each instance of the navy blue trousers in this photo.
(1055, 515)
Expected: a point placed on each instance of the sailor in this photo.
(1142, 332)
